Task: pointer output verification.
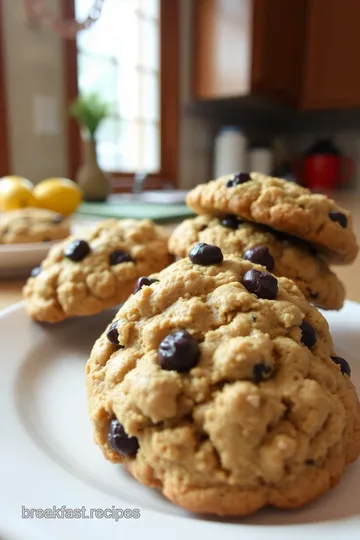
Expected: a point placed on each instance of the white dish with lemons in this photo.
(58, 194)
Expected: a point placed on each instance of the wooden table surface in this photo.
(10, 290)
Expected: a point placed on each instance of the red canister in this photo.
(323, 167)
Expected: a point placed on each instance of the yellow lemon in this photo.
(58, 194)
(10, 180)
(16, 196)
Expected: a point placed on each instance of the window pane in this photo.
(126, 30)
(150, 148)
(119, 59)
(118, 145)
(82, 8)
(150, 8)
(115, 33)
(106, 143)
(97, 74)
(128, 98)
(149, 106)
(129, 145)
(108, 130)
(149, 45)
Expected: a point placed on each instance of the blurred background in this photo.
(190, 89)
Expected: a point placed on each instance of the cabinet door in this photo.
(222, 48)
(278, 49)
(332, 76)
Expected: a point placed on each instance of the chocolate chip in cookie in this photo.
(205, 254)
(344, 366)
(260, 255)
(113, 334)
(261, 372)
(231, 222)
(77, 250)
(308, 334)
(118, 257)
(237, 179)
(311, 294)
(120, 441)
(263, 284)
(339, 217)
(179, 351)
(144, 282)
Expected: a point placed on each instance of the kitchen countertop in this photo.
(10, 290)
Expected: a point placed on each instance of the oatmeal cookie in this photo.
(32, 225)
(217, 384)
(282, 205)
(283, 255)
(98, 269)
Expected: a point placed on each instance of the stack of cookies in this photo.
(277, 224)
(217, 382)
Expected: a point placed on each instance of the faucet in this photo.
(139, 181)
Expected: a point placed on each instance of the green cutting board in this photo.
(160, 213)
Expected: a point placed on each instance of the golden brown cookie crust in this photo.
(65, 288)
(32, 225)
(282, 205)
(292, 258)
(213, 440)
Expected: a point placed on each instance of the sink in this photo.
(161, 196)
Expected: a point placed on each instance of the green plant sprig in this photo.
(89, 111)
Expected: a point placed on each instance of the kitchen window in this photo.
(130, 57)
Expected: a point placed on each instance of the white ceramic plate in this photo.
(17, 260)
(47, 456)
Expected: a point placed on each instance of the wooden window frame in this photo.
(5, 157)
(169, 101)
